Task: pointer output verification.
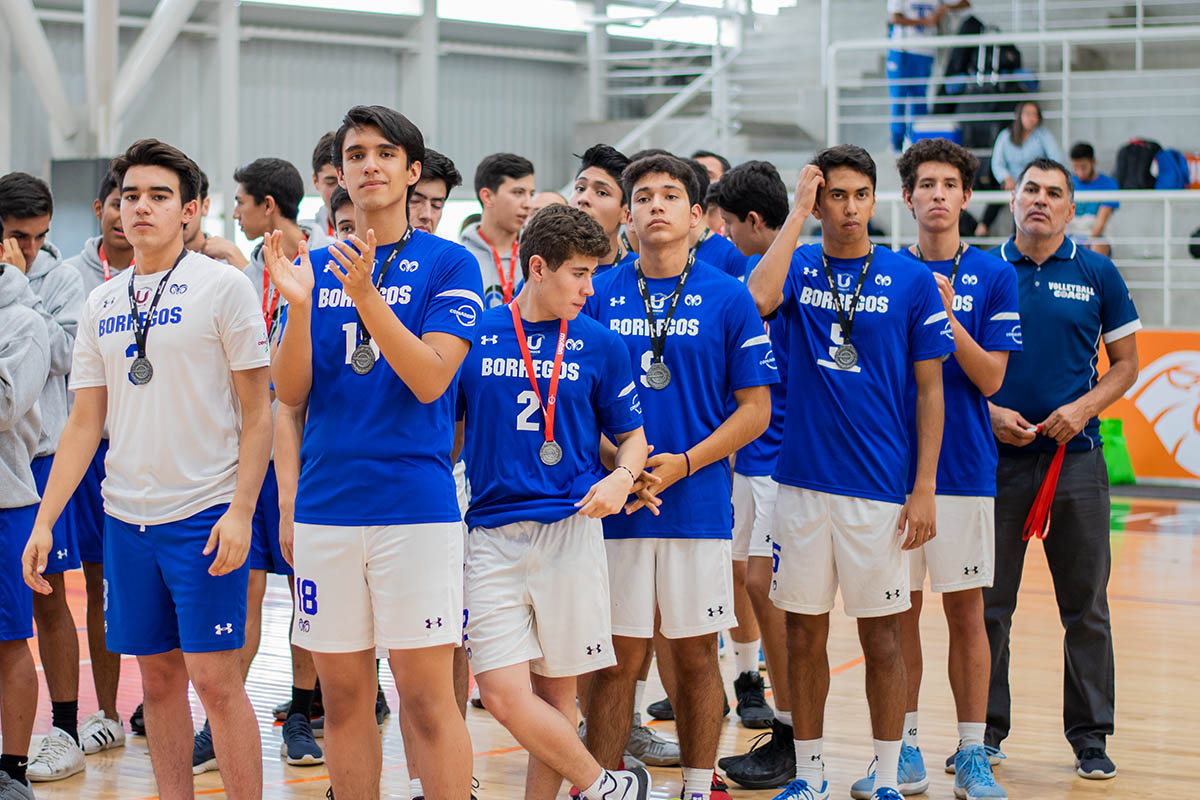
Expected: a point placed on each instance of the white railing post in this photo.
(826, 23)
(1139, 18)
(895, 234)
(831, 97)
(1041, 29)
(1166, 302)
(597, 44)
(1066, 95)
(719, 97)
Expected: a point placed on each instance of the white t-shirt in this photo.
(173, 443)
(907, 36)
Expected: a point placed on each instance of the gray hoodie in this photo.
(255, 270)
(24, 365)
(60, 290)
(88, 265)
(493, 290)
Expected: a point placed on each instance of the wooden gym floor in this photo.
(1155, 600)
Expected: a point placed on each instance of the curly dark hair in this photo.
(557, 233)
(943, 151)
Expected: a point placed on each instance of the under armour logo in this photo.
(971, 570)
(429, 623)
(226, 628)
(811, 272)
(61, 554)
(890, 595)
(489, 339)
(717, 611)
(769, 538)
(617, 301)
(592, 651)
(817, 757)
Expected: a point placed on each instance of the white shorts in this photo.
(753, 515)
(397, 587)
(539, 593)
(689, 581)
(825, 540)
(963, 554)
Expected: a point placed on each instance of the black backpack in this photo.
(1133, 164)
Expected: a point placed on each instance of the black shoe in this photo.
(1092, 763)
(662, 709)
(137, 720)
(329, 793)
(382, 709)
(752, 705)
(771, 762)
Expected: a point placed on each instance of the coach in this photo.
(1070, 299)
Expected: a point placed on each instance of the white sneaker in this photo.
(57, 757)
(99, 733)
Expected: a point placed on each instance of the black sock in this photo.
(65, 716)
(15, 767)
(302, 700)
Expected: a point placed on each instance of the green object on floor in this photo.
(1116, 454)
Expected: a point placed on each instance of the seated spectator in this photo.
(1018, 145)
(1090, 220)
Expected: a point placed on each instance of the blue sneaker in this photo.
(911, 775)
(299, 747)
(994, 754)
(204, 758)
(800, 790)
(973, 778)
(887, 793)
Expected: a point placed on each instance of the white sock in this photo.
(639, 693)
(604, 782)
(910, 729)
(414, 788)
(887, 764)
(971, 734)
(697, 783)
(809, 766)
(784, 716)
(745, 656)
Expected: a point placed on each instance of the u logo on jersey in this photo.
(534, 341)
(845, 281)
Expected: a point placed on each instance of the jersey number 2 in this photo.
(531, 404)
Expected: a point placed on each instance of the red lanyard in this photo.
(269, 306)
(552, 397)
(104, 262)
(1037, 523)
(329, 225)
(506, 285)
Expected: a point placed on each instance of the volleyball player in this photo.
(504, 187)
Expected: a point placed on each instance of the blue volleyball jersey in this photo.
(722, 254)
(505, 426)
(845, 432)
(1069, 303)
(987, 306)
(760, 456)
(373, 454)
(715, 346)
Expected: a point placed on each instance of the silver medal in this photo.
(658, 375)
(550, 453)
(362, 360)
(846, 357)
(141, 371)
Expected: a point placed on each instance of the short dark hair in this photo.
(607, 158)
(203, 185)
(943, 151)
(395, 127)
(437, 167)
(677, 168)
(23, 196)
(846, 155)
(154, 153)
(725, 165)
(469, 220)
(338, 200)
(273, 177)
(702, 181)
(492, 171)
(649, 151)
(1082, 150)
(558, 232)
(323, 152)
(1049, 165)
(754, 186)
(108, 185)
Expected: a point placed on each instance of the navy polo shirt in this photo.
(1068, 304)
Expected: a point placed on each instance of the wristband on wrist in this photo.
(632, 477)
(689, 464)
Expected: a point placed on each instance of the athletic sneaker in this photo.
(911, 775)
(995, 756)
(98, 733)
(769, 764)
(648, 747)
(752, 705)
(628, 760)
(973, 778)
(283, 710)
(886, 794)
(631, 784)
(662, 709)
(299, 746)
(204, 758)
(382, 709)
(1092, 763)
(57, 757)
(719, 789)
(476, 700)
(137, 720)
(800, 790)
(11, 790)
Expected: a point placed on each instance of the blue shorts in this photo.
(65, 555)
(264, 544)
(158, 595)
(16, 599)
(85, 511)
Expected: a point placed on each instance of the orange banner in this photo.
(1161, 413)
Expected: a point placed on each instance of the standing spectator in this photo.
(1070, 299)
(1091, 219)
(909, 65)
